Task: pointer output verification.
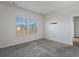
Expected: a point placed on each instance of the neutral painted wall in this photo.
(8, 16)
(76, 26)
(64, 30)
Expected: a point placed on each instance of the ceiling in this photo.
(45, 7)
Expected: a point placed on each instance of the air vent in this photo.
(54, 23)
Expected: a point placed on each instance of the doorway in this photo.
(76, 31)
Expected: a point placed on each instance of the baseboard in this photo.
(70, 44)
(18, 44)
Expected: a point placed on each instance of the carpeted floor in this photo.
(40, 48)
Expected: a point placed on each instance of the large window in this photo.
(25, 26)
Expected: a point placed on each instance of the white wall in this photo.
(76, 26)
(8, 16)
(64, 30)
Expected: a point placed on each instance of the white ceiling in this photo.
(46, 7)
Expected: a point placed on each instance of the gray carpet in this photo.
(40, 48)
